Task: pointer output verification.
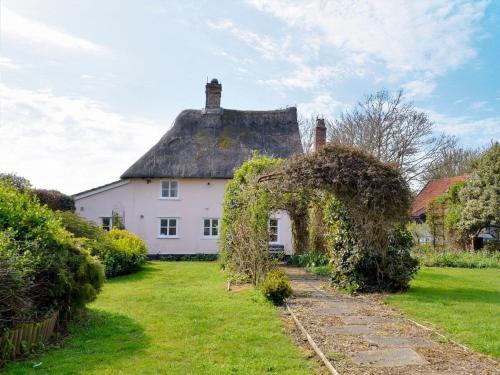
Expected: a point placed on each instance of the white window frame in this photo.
(210, 236)
(277, 230)
(110, 222)
(177, 226)
(169, 189)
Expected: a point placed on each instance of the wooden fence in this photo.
(21, 339)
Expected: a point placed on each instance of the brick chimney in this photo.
(319, 134)
(213, 91)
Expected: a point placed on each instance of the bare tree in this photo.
(453, 161)
(394, 131)
(306, 128)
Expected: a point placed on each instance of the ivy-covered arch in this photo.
(363, 204)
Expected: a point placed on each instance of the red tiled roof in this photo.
(433, 189)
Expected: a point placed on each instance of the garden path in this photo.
(361, 335)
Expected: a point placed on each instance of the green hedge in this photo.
(123, 253)
(199, 257)
(458, 259)
(120, 251)
(42, 266)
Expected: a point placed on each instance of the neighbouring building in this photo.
(172, 196)
(432, 190)
(418, 211)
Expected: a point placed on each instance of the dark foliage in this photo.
(186, 257)
(355, 268)
(55, 200)
(18, 182)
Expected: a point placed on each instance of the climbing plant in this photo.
(371, 200)
(244, 233)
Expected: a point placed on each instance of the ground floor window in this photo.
(169, 227)
(273, 230)
(210, 227)
(107, 223)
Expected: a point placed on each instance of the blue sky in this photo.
(88, 86)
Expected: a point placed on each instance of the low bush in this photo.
(276, 287)
(121, 251)
(308, 259)
(199, 257)
(43, 267)
(325, 270)
(458, 259)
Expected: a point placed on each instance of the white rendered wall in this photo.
(139, 203)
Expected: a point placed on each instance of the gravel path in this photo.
(360, 335)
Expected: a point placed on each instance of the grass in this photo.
(174, 318)
(463, 303)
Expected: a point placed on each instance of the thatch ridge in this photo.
(213, 145)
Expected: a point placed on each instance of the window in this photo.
(169, 227)
(273, 230)
(169, 189)
(210, 227)
(107, 223)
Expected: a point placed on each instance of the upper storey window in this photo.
(169, 189)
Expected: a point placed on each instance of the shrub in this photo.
(121, 251)
(80, 227)
(55, 200)
(276, 287)
(308, 259)
(18, 182)
(459, 259)
(324, 270)
(199, 257)
(368, 271)
(42, 264)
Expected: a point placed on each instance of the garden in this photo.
(179, 316)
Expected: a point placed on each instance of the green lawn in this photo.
(174, 318)
(463, 303)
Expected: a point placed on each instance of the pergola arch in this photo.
(375, 195)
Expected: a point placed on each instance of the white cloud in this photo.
(419, 89)
(306, 77)
(475, 131)
(67, 143)
(265, 46)
(387, 40)
(482, 105)
(36, 33)
(8, 64)
(406, 35)
(321, 105)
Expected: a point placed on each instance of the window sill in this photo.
(169, 199)
(210, 237)
(167, 237)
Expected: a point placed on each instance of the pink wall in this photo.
(140, 204)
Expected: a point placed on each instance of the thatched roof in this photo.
(213, 145)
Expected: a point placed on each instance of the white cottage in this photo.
(172, 196)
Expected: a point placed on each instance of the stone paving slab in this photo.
(364, 336)
(391, 341)
(351, 330)
(364, 319)
(395, 357)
